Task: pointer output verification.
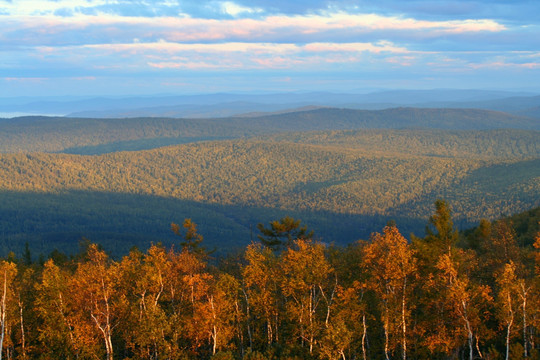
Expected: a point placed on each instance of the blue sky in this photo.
(128, 47)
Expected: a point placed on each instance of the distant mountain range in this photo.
(225, 105)
(95, 135)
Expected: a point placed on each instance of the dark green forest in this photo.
(445, 295)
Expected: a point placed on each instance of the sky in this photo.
(138, 47)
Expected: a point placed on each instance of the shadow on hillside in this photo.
(120, 221)
(137, 145)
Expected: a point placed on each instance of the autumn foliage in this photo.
(437, 297)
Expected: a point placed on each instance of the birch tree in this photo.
(8, 271)
(390, 263)
(307, 284)
(95, 285)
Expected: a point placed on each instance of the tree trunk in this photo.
(509, 328)
(386, 335)
(248, 319)
(468, 328)
(3, 314)
(364, 336)
(524, 293)
(214, 327)
(23, 342)
(404, 324)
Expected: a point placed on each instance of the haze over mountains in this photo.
(224, 104)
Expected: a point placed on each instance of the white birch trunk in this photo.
(404, 324)
(3, 314)
(524, 293)
(509, 327)
(386, 335)
(364, 355)
(23, 342)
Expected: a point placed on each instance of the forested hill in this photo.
(94, 136)
(483, 144)
(395, 118)
(335, 180)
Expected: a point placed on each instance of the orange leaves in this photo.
(389, 259)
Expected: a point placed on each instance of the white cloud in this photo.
(233, 9)
(335, 26)
(47, 7)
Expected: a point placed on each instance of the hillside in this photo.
(482, 144)
(98, 136)
(332, 180)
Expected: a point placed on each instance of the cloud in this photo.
(233, 9)
(48, 8)
(383, 46)
(50, 30)
(92, 39)
(26, 79)
(505, 65)
(214, 56)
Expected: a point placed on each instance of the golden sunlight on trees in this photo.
(390, 263)
(387, 298)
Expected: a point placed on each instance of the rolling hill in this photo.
(97, 136)
(343, 184)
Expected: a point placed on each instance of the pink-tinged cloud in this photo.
(164, 47)
(355, 47)
(167, 55)
(171, 47)
(103, 28)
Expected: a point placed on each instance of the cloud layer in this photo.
(88, 46)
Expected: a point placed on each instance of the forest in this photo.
(98, 263)
(97, 136)
(342, 183)
(446, 295)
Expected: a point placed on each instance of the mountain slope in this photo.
(338, 181)
(88, 136)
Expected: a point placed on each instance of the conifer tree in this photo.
(283, 232)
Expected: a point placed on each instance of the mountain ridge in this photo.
(57, 134)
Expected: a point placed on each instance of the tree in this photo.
(462, 299)
(192, 239)
(215, 314)
(508, 300)
(95, 285)
(390, 263)
(8, 271)
(441, 237)
(144, 280)
(56, 332)
(345, 329)
(283, 233)
(187, 285)
(307, 281)
(263, 297)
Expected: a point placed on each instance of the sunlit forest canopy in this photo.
(343, 183)
(442, 294)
